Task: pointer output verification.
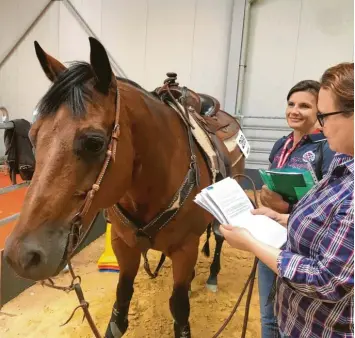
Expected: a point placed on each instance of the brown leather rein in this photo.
(77, 236)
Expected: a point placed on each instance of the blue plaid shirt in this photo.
(316, 270)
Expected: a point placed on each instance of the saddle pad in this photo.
(202, 138)
(204, 141)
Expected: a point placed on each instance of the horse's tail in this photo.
(206, 247)
(147, 267)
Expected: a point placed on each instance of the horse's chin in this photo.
(53, 270)
(63, 262)
(60, 268)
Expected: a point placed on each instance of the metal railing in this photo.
(262, 117)
(262, 139)
(272, 128)
(248, 124)
(6, 124)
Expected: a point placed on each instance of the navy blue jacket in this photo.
(312, 148)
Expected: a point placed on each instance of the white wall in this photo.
(290, 40)
(147, 38)
(21, 78)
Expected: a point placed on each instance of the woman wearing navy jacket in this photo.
(306, 144)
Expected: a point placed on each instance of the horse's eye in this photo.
(94, 145)
(90, 146)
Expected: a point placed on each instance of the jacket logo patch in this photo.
(309, 156)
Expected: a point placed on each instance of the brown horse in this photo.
(90, 121)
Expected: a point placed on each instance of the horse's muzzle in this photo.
(38, 255)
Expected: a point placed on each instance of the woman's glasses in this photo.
(321, 117)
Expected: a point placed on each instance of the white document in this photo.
(228, 203)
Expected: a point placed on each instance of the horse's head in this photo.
(71, 137)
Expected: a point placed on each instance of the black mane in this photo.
(72, 88)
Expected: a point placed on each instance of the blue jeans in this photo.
(269, 327)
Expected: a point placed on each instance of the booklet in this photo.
(229, 204)
(292, 184)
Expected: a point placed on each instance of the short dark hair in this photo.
(310, 86)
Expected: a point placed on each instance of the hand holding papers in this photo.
(229, 204)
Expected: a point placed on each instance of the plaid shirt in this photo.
(316, 270)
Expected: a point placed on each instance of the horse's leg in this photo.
(183, 261)
(216, 264)
(129, 260)
(193, 276)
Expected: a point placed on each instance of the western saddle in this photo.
(205, 110)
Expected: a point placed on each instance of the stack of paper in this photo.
(228, 203)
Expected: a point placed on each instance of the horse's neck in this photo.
(161, 158)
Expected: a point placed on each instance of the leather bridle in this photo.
(77, 235)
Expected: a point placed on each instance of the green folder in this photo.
(291, 183)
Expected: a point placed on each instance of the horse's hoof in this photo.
(212, 287)
(117, 326)
(182, 332)
(113, 331)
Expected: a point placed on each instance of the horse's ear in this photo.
(50, 65)
(100, 64)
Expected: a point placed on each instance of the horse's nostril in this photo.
(32, 259)
(8, 259)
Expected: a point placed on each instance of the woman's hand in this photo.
(273, 200)
(267, 212)
(242, 239)
(237, 237)
(280, 218)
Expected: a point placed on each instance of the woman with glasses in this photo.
(315, 270)
(305, 145)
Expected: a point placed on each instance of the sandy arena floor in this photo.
(38, 312)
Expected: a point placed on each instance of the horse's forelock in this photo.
(71, 88)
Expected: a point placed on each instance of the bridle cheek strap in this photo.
(76, 235)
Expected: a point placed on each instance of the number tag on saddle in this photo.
(243, 144)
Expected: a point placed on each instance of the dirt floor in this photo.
(38, 312)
